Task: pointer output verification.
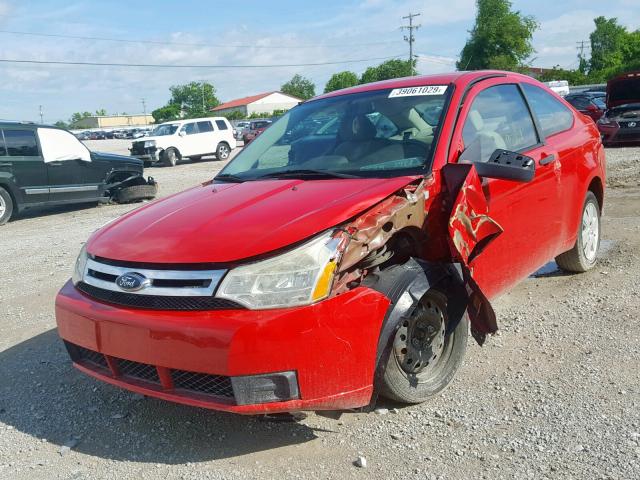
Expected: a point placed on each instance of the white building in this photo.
(265, 103)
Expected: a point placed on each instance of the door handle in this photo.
(6, 164)
(547, 160)
(55, 164)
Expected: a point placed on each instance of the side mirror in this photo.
(507, 165)
(182, 133)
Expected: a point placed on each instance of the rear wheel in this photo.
(424, 358)
(223, 151)
(584, 254)
(6, 206)
(170, 157)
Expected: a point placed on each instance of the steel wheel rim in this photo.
(590, 232)
(224, 152)
(3, 206)
(172, 156)
(422, 361)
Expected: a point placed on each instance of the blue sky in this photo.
(304, 32)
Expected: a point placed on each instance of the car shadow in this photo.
(53, 210)
(42, 395)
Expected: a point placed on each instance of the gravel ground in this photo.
(556, 394)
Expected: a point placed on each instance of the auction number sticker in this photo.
(417, 91)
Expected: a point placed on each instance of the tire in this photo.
(223, 151)
(584, 254)
(136, 193)
(170, 157)
(410, 380)
(6, 206)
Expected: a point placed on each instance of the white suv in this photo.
(192, 138)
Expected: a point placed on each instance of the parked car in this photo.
(138, 133)
(254, 129)
(43, 165)
(239, 129)
(192, 138)
(332, 261)
(620, 123)
(591, 105)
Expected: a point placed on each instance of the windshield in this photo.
(599, 101)
(381, 133)
(165, 129)
(256, 125)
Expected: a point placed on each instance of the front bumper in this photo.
(150, 154)
(616, 134)
(330, 346)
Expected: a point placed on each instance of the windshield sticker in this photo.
(417, 91)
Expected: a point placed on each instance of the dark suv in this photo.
(44, 165)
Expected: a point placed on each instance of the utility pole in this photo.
(581, 49)
(144, 110)
(203, 107)
(410, 38)
(41, 115)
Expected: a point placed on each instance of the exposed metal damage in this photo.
(470, 229)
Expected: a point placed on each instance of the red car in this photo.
(590, 104)
(346, 253)
(620, 124)
(254, 129)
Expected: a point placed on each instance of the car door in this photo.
(497, 116)
(188, 143)
(207, 136)
(24, 163)
(72, 175)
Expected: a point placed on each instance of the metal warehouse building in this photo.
(265, 103)
(113, 121)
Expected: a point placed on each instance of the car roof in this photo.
(461, 78)
(27, 124)
(201, 119)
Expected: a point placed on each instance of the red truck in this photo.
(346, 253)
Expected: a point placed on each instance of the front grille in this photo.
(157, 302)
(137, 148)
(202, 382)
(141, 371)
(184, 382)
(636, 124)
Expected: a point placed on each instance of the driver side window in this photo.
(498, 118)
(190, 128)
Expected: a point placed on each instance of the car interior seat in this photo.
(479, 139)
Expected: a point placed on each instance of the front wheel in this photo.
(584, 254)
(223, 151)
(424, 358)
(6, 206)
(170, 157)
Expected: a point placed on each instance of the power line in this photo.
(158, 65)
(410, 38)
(188, 44)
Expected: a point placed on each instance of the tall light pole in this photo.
(144, 110)
(41, 115)
(410, 38)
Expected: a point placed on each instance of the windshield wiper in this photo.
(229, 177)
(305, 172)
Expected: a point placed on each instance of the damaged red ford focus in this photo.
(346, 253)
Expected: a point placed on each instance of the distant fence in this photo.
(600, 87)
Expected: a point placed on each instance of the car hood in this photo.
(629, 111)
(623, 90)
(227, 222)
(112, 157)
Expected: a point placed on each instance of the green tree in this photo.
(299, 87)
(195, 98)
(500, 38)
(341, 80)
(101, 112)
(166, 113)
(574, 77)
(77, 117)
(607, 43)
(390, 69)
(61, 124)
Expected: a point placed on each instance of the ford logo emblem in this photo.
(132, 282)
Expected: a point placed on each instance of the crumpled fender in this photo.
(471, 229)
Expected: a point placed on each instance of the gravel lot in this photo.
(556, 394)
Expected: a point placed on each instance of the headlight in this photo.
(149, 143)
(298, 277)
(81, 265)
